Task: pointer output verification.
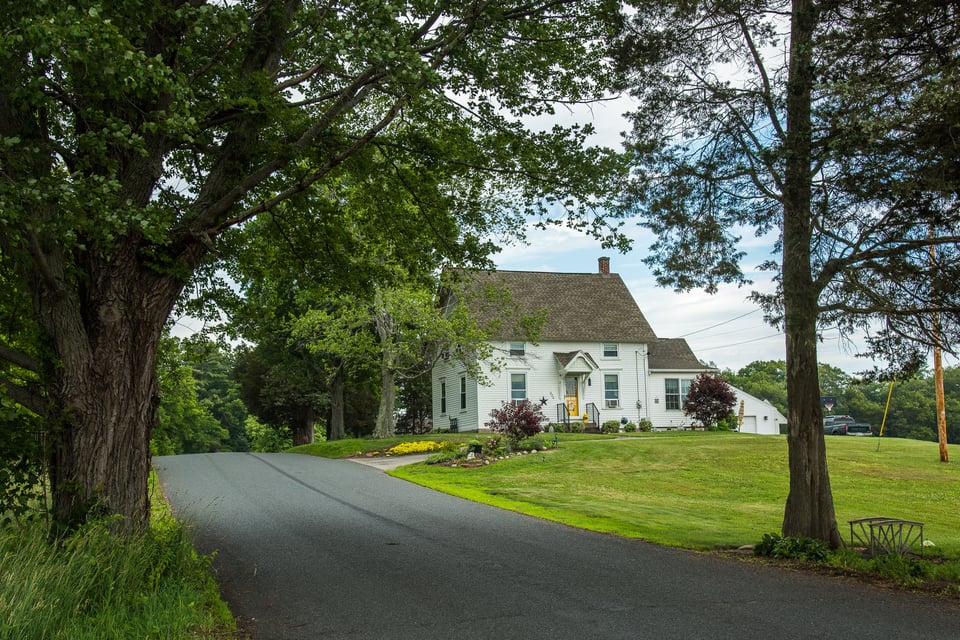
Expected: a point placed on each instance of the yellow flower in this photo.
(421, 446)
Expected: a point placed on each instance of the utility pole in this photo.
(938, 366)
(941, 406)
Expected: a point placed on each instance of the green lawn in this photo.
(710, 490)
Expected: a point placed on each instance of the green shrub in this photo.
(910, 571)
(774, 545)
(576, 427)
(266, 439)
(645, 425)
(536, 442)
(610, 426)
(558, 427)
(728, 423)
(495, 446)
(904, 570)
(629, 428)
(445, 456)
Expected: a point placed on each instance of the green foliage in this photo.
(495, 446)
(630, 428)
(219, 392)
(765, 379)
(184, 423)
(96, 585)
(868, 178)
(645, 425)
(414, 397)
(538, 443)
(446, 456)
(774, 545)
(21, 453)
(264, 439)
(912, 412)
(906, 570)
(610, 426)
(729, 423)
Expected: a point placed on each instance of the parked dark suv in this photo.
(845, 425)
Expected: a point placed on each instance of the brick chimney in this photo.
(604, 265)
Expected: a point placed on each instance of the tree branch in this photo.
(24, 397)
(18, 358)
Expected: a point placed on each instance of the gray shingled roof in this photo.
(580, 307)
(673, 354)
(563, 359)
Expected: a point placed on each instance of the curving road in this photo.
(310, 548)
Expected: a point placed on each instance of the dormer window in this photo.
(517, 348)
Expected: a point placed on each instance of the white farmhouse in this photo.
(596, 358)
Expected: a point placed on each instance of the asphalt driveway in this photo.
(313, 548)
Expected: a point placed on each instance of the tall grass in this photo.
(94, 585)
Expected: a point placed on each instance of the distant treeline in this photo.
(912, 412)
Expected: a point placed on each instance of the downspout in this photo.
(644, 412)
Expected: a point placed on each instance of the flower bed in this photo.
(420, 446)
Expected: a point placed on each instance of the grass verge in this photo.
(96, 586)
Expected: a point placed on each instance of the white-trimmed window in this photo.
(611, 391)
(443, 396)
(675, 392)
(518, 387)
(463, 392)
(611, 350)
(518, 349)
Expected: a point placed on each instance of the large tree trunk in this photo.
(336, 429)
(105, 395)
(303, 432)
(386, 420)
(809, 509)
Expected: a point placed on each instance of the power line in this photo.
(735, 344)
(719, 324)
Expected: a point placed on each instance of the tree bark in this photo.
(336, 429)
(809, 510)
(303, 432)
(105, 396)
(386, 420)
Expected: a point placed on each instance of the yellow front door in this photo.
(573, 403)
